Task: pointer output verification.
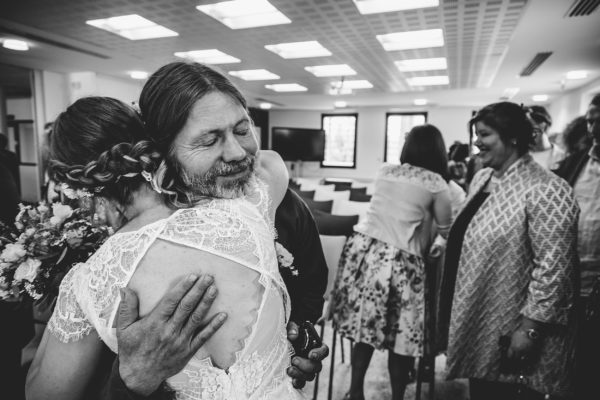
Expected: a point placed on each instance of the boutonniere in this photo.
(285, 258)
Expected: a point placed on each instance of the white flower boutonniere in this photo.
(285, 258)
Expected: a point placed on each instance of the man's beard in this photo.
(207, 184)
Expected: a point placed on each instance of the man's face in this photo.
(215, 151)
(539, 130)
(592, 118)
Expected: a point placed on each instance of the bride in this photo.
(100, 145)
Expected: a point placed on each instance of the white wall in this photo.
(125, 90)
(452, 121)
(54, 94)
(571, 105)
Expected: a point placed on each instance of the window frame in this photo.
(387, 115)
(355, 115)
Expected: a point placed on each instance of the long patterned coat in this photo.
(519, 258)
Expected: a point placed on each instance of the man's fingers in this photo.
(319, 353)
(205, 333)
(296, 373)
(298, 383)
(128, 309)
(169, 302)
(292, 331)
(190, 301)
(307, 366)
(198, 316)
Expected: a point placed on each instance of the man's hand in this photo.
(305, 369)
(159, 345)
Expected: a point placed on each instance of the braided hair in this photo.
(99, 144)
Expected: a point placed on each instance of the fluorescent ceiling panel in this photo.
(331, 70)
(356, 84)
(14, 44)
(307, 49)
(265, 106)
(412, 39)
(241, 14)
(211, 56)
(340, 104)
(132, 27)
(382, 6)
(422, 64)
(509, 93)
(286, 87)
(254, 75)
(420, 102)
(539, 97)
(138, 74)
(428, 80)
(577, 74)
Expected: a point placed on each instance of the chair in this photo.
(325, 194)
(347, 207)
(358, 196)
(340, 184)
(335, 225)
(306, 194)
(358, 190)
(324, 206)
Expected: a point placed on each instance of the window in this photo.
(397, 126)
(340, 140)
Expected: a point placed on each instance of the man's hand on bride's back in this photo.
(305, 369)
(159, 345)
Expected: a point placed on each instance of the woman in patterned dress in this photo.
(511, 268)
(378, 299)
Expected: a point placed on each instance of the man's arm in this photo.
(159, 345)
(298, 233)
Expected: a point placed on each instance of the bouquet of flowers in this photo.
(45, 242)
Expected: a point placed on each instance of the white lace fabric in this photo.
(240, 230)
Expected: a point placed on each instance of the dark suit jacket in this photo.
(298, 233)
(570, 168)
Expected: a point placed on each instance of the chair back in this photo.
(306, 194)
(360, 196)
(335, 225)
(324, 206)
(325, 194)
(347, 207)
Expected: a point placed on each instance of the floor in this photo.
(377, 385)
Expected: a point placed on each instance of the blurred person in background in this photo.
(511, 269)
(582, 170)
(378, 297)
(576, 137)
(543, 151)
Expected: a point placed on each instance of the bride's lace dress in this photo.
(240, 230)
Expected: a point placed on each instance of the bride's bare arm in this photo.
(63, 370)
(272, 169)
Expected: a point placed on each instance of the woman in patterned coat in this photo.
(378, 299)
(511, 260)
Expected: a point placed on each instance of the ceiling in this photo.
(488, 43)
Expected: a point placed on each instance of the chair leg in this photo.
(332, 366)
(419, 378)
(316, 387)
(342, 349)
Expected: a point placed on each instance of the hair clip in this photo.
(151, 179)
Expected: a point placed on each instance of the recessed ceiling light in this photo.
(286, 87)
(14, 44)
(307, 49)
(138, 74)
(132, 27)
(577, 74)
(420, 102)
(254, 75)
(381, 6)
(356, 84)
(265, 106)
(428, 80)
(422, 64)
(331, 70)
(340, 104)
(412, 39)
(509, 93)
(539, 97)
(240, 14)
(211, 56)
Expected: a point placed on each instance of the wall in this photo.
(20, 108)
(370, 141)
(571, 105)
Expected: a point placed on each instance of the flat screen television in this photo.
(299, 144)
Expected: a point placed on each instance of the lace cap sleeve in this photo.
(69, 322)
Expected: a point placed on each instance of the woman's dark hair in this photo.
(458, 152)
(166, 102)
(576, 137)
(424, 147)
(99, 144)
(510, 121)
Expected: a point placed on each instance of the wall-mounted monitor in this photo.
(299, 144)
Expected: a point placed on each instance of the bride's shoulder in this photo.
(273, 171)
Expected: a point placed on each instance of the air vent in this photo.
(535, 63)
(581, 8)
